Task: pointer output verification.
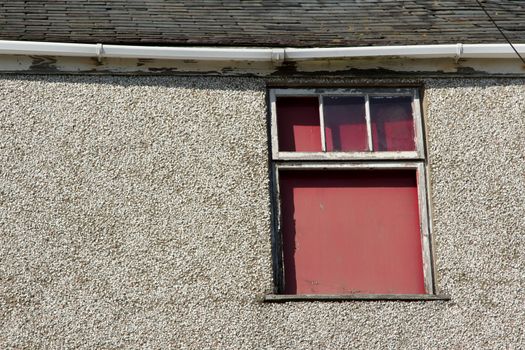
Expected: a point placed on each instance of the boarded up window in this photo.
(299, 129)
(347, 232)
(350, 192)
(345, 123)
(392, 124)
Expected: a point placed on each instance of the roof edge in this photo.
(275, 55)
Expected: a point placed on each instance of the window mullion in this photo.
(321, 124)
(368, 123)
(274, 141)
(416, 112)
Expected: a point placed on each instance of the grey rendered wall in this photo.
(134, 213)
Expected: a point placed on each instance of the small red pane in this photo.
(392, 123)
(345, 123)
(298, 126)
(351, 232)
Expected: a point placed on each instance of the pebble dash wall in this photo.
(135, 214)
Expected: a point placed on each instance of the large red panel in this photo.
(345, 123)
(351, 232)
(298, 125)
(392, 123)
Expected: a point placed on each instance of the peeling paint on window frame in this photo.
(416, 160)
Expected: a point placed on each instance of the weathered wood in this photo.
(281, 298)
(425, 229)
(418, 154)
(277, 238)
(321, 123)
(368, 123)
(352, 160)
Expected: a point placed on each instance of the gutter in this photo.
(275, 55)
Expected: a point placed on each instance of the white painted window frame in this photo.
(366, 93)
(330, 161)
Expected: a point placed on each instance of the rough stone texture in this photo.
(134, 213)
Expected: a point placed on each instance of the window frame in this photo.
(338, 155)
(368, 160)
(424, 227)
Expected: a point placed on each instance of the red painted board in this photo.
(345, 123)
(392, 124)
(351, 232)
(298, 125)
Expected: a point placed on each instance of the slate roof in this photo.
(301, 23)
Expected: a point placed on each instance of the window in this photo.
(350, 200)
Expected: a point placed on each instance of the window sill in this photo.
(281, 298)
